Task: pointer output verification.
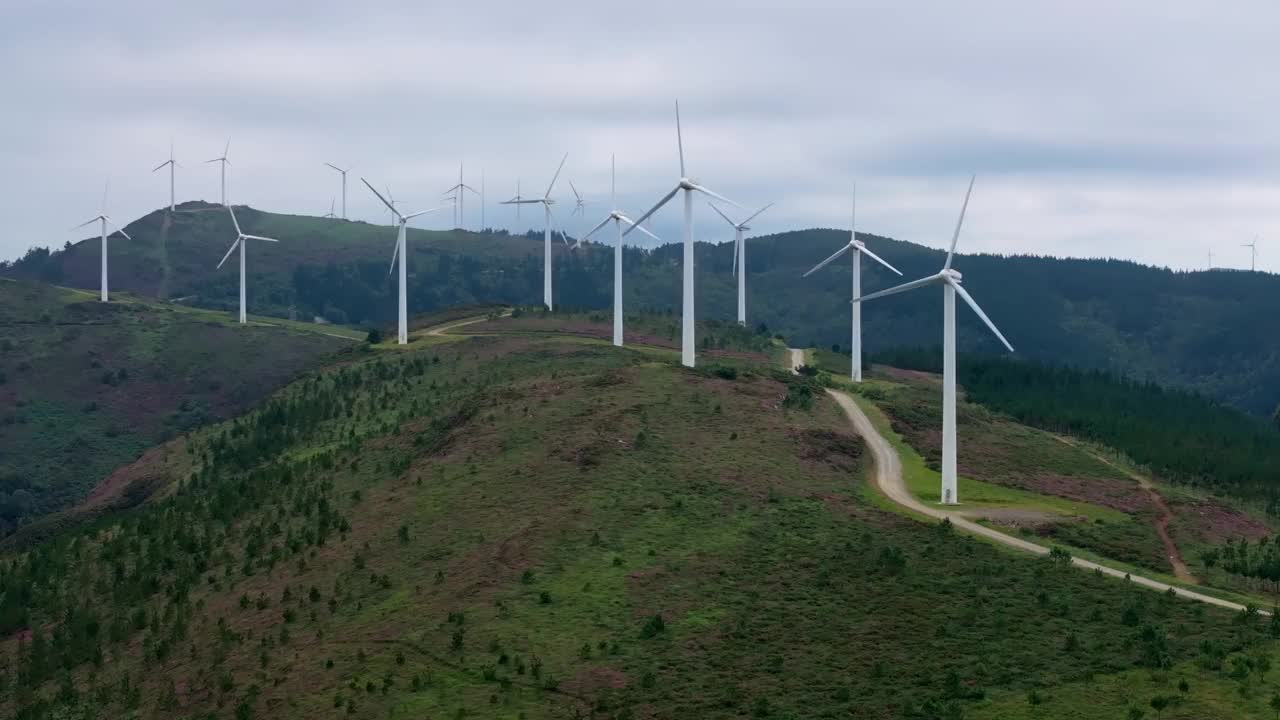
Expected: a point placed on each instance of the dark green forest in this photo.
(1179, 435)
(1196, 330)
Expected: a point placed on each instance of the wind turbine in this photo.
(855, 342)
(224, 162)
(618, 218)
(740, 257)
(172, 164)
(344, 187)
(241, 237)
(950, 281)
(547, 202)
(580, 207)
(103, 219)
(1253, 254)
(330, 214)
(688, 186)
(400, 252)
(460, 207)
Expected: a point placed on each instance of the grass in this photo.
(557, 496)
(88, 386)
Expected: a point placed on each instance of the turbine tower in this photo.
(103, 219)
(224, 161)
(546, 202)
(172, 164)
(482, 225)
(460, 206)
(241, 237)
(950, 281)
(618, 218)
(343, 172)
(687, 339)
(400, 251)
(859, 249)
(740, 257)
(1253, 254)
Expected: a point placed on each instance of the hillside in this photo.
(525, 525)
(86, 386)
(1194, 330)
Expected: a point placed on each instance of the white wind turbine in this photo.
(224, 163)
(580, 206)
(950, 281)
(330, 215)
(460, 205)
(740, 257)
(401, 253)
(103, 219)
(687, 338)
(172, 164)
(546, 202)
(343, 172)
(618, 219)
(241, 237)
(859, 249)
(1253, 254)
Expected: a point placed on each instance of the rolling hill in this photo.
(522, 524)
(86, 387)
(1192, 330)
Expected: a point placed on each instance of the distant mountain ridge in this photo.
(1205, 331)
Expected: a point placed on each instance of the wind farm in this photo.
(733, 448)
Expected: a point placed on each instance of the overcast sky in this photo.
(1140, 129)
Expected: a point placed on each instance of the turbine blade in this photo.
(119, 229)
(735, 257)
(335, 167)
(259, 237)
(166, 162)
(828, 261)
(206, 162)
(234, 221)
(556, 177)
(422, 212)
(757, 213)
(468, 187)
(384, 200)
(226, 150)
(721, 214)
(902, 288)
(717, 196)
(956, 237)
(394, 253)
(679, 138)
(974, 304)
(86, 222)
(863, 248)
(576, 195)
(514, 201)
(563, 236)
(229, 251)
(641, 228)
(653, 210)
(596, 229)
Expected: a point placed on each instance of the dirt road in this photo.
(888, 479)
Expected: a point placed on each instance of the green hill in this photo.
(532, 526)
(86, 387)
(1193, 330)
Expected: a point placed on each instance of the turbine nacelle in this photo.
(951, 275)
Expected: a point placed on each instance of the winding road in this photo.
(888, 479)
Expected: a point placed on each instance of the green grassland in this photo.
(87, 386)
(533, 527)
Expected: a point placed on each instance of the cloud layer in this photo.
(1142, 130)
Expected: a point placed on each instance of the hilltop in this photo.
(1193, 330)
(86, 387)
(522, 524)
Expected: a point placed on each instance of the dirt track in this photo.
(888, 479)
